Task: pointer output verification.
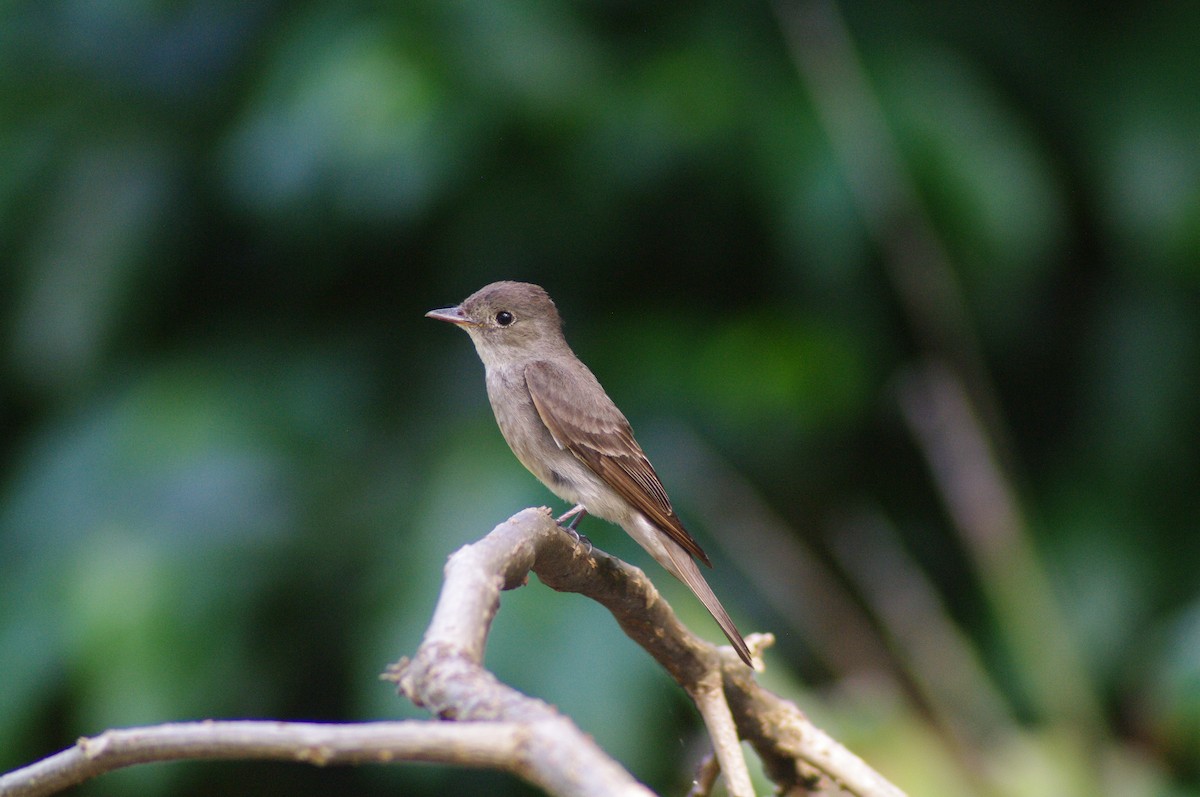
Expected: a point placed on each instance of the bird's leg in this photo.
(577, 512)
(575, 515)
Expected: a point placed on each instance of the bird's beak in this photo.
(453, 315)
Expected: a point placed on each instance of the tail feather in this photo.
(684, 568)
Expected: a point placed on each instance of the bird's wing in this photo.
(597, 433)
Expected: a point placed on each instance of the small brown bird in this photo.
(565, 429)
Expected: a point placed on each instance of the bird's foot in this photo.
(575, 515)
(581, 539)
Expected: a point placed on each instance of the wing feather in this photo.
(600, 437)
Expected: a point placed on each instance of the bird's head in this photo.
(509, 322)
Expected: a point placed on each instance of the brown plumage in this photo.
(565, 429)
(606, 445)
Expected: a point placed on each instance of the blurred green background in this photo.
(902, 299)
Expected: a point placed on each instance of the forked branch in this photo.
(494, 726)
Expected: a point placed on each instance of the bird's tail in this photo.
(683, 567)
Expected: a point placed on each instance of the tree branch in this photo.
(496, 726)
(494, 745)
(446, 675)
(795, 751)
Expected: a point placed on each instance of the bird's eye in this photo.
(504, 318)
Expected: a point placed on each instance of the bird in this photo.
(563, 427)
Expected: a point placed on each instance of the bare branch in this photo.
(709, 697)
(447, 676)
(796, 752)
(496, 726)
(793, 750)
(495, 745)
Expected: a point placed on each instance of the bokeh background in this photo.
(901, 298)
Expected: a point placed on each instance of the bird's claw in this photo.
(575, 515)
(580, 538)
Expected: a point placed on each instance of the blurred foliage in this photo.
(236, 456)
